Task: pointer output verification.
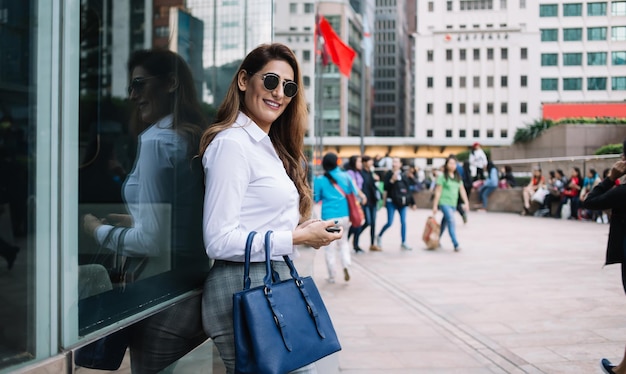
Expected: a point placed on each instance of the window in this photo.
(489, 53)
(429, 55)
(596, 9)
(524, 53)
(504, 53)
(448, 55)
(306, 55)
(522, 4)
(596, 58)
(572, 84)
(429, 133)
(448, 108)
(618, 83)
(462, 54)
(429, 82)
(618, 58)
(429, 108)
(549, 35)
(448, 81)
(306, 80)
(293, 8)
(596, 83)
(462, 82)
(549, 59)
(596, 33)
(449, 6)
(524, 81)
(476, 82)
(618, 8)
(448, 133)
(618, 33)
(462, 133)
(490, 81)
(431, 6)
(549, 84)
(504, 133)
(573, 34)
(504, 108)
(523, 108)
(572, 10)
(502, 4)
(572, 59)
(490, 133)
(476, 54)
(476, 133)
(462, 108)
(309, 8)
(504, 81)
(476, 108)
(489, 108)
(548, 10)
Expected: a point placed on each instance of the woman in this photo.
(354, 169)
(449, 186)
(478, 162)
(537, 181)
(256, 180)
(372, 195)
(398, 198)
(507, 180)
(571, 193)
(489, 186)
(163, 194)
(611, 195)
(331, 189)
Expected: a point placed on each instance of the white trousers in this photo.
(342, 246)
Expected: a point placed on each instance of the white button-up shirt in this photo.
(247, 189)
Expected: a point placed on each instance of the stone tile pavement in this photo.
(524, 295)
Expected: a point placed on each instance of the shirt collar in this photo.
(165, 122)
(250, 127)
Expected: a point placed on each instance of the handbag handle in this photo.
(246, 266)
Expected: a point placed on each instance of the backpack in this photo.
(400, 193)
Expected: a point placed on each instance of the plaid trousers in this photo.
(226, 278)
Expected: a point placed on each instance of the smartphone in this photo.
(333, 229)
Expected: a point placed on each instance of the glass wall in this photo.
(100, 192)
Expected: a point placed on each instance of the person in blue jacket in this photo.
(331, 189)
(490, 185)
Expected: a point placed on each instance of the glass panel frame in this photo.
(596, 9)
(596, 58)
(572, 10)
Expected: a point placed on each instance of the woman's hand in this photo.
(125, 220)
(435, 211)
(91, 223)
(617, 170)
(313, 233)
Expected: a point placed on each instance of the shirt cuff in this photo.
(101, 233)
(282, 243)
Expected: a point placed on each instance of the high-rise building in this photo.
(232, 28)
(487, 67)
(389, 116)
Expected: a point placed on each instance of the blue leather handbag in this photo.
(279, 326)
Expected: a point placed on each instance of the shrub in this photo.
(609, 149)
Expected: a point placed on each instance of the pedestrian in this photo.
(331, 190)
(608, 195)
(478, 162)
(490, 185)
(449, 187)
(398, 199)
(370, 208)
(255, 180)
(354, 169)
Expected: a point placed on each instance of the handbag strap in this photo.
(246, 266)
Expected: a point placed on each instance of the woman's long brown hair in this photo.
(286, 133)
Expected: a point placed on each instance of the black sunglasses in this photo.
(271, 80)
(138, 84)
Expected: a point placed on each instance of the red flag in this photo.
(323, 52)
(341, 54)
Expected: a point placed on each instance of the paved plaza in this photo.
(524, 295)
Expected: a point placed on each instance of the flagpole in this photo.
(319, 76)
(362, 131)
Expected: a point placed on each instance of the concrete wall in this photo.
(564, 141)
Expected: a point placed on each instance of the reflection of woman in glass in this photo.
(164, 198)
(256, 180)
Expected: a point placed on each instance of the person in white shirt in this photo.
(255, 180)
(478, 162)
(163, 194)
